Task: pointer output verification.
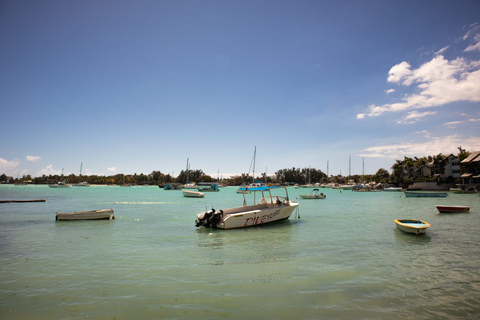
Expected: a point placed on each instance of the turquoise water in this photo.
(344, 258)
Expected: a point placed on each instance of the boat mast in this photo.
(254, 156)
(328, 180)
(349, 167)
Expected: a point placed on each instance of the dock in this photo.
(22, 201)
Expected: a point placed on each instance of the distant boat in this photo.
(172, 186)
(208, 187)
(60, 184)
(190, 185)
(315, 194)
(425, 194)
(452, 209)
(412, 226)
(81, 184)
(86, 215)
(463, 191)
(269, 209)
(392, 189)
(193, 194)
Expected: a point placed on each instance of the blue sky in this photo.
(136, 86)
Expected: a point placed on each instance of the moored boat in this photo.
(60, 184)
(452, 209)
(392, 189)
(412, 226)
(193, 194)
(81, 184)
(172, 186)
(208, 187)
(425, 194)
(86, 215)
(270, 208)
(315, 194)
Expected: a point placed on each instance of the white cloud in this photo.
(440, 81)
(49, 171)
(430, 146)
(474, 46)
(389, 91)
(473, 29)
(33, 158)
(435, 83)
(473, 120)
(442, 50)
(414, 116)
(112, 169)
(360, 115)
(451, 123)
(399, 72)
(8, 167)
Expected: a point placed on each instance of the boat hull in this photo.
(249, 216)
(423, 194)
(453, 209)
(412, 226)
(309, 196)
(193, 194)
(104, 214)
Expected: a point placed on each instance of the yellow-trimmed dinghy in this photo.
(412, 226)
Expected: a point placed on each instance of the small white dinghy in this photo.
(86, 215)
(192, 194)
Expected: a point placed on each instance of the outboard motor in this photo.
(204, 220)
(210, 219)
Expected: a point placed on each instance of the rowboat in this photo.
(86, 215)
(425, 194)
(270, 208)
(452, 209)
(192, 194)
(412, 226)
(462, 191)
(315, 194)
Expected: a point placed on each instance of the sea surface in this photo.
(343, 258)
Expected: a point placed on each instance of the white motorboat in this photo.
(60, 184)
(192, 194)
(270, 208)
(81, 184)
(392, 189)
(315, 194)
(86, 215)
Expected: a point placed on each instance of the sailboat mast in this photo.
(328, 173)
(254, 156)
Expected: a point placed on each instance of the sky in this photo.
(346, 87)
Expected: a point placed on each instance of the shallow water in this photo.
(344, 258)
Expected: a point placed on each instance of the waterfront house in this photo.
(470, 168)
